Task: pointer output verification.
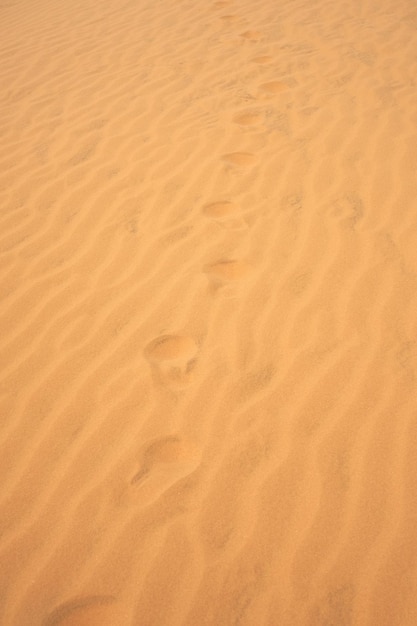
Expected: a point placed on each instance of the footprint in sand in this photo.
(172, 358)
(87, 611)
(248, 119)
(226, 273)
(263, 60)
(241, 159)
(164, 451)
(221, 4)
(164, 461)
(226, 214)
(229, 19)
(273, 87)
(251, 35)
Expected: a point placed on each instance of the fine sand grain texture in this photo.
(208, 313)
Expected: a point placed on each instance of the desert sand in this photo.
(208, 268)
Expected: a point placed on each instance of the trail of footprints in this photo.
(172, 360)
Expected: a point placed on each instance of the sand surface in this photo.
(208, 313)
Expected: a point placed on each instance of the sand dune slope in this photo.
(208, 332)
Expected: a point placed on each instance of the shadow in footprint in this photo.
(229, 19)
(86, 611)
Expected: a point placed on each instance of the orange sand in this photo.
(208, 328)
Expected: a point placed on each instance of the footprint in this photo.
(248, 119)
(251, 35)
(273, 87)
(171, 348)
(165, 461)
(229, 19)
(221, 210)
(242, 159)
(263, 60)
(225, 213)
(226, 273)
(87, 611)
(165, 450)
(172, 358)
(221, 3)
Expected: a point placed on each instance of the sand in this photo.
(208, 268)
